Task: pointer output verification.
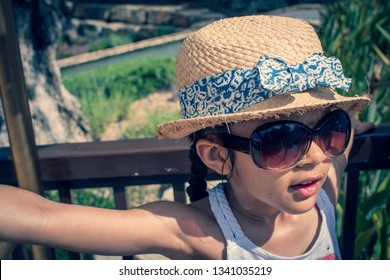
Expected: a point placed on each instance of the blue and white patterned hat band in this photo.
(231, 91)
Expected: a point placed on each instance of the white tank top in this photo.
(241, 247)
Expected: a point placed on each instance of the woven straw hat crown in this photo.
(239, 43)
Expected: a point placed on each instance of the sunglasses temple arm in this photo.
(234, 142)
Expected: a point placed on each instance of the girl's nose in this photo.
(314, 156)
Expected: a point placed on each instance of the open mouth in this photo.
(307, 188)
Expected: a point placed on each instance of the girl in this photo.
(260, 108)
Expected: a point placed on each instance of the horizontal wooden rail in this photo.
(125, 162)
(149, 161)
(118, 164)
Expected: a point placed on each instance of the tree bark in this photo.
(55, 112)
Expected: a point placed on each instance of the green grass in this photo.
(105, 93)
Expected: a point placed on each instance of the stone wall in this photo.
(227, 7)
(136, 20)
(156, 18)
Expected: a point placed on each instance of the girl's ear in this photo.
(214, 156)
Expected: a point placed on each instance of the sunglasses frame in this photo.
(247, 145)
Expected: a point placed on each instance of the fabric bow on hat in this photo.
(317, 71)
(231, 91)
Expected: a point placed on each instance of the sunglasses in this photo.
(282, 145)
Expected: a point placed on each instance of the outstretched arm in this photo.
(160, 227)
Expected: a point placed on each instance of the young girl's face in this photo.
(293, 190)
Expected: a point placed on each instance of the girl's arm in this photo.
(161, 227)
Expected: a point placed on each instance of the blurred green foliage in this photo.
(357, 31)
(110, 41)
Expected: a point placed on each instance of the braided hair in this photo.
(197, 188)
(198, 185)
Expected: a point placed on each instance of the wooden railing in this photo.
(119, 164)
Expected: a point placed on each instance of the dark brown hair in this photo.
(197, 188)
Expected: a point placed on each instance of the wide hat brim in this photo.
(274, 107)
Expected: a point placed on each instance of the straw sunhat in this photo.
(254, 67)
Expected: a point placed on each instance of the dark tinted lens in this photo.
(281, 146)
(334, 134)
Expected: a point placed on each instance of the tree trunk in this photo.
(54, 111)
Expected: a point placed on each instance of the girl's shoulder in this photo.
(193, 224)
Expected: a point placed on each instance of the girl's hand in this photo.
(361, 127)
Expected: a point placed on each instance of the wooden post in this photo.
(349, 217)
(17, 113)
